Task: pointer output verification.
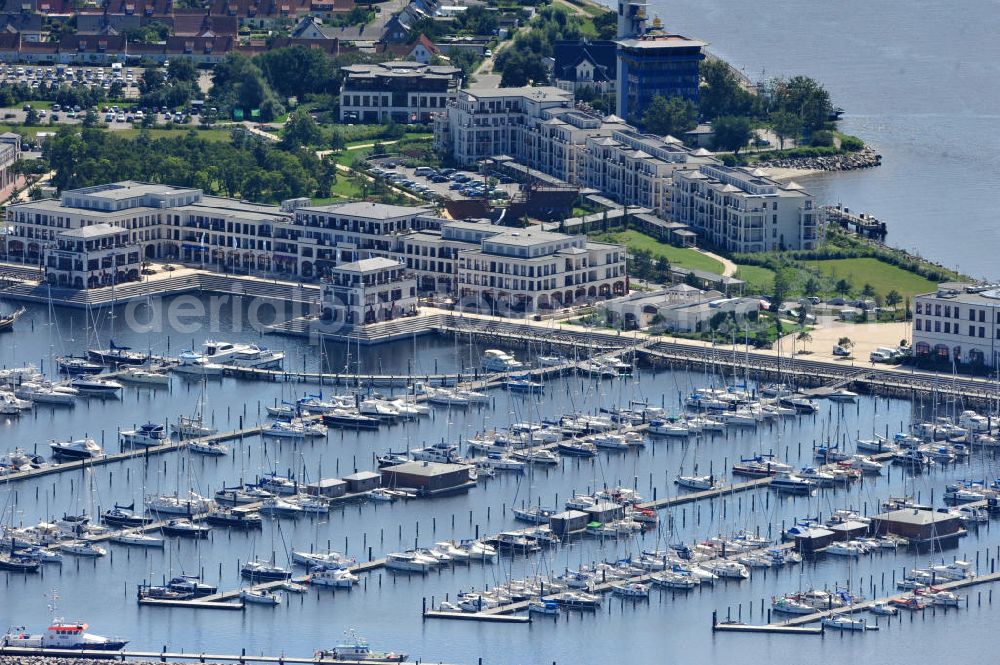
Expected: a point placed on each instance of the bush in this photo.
(821, 139)
(851, 143)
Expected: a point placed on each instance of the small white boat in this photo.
(260, 597)
(144, 377)
(137, 539)
(97, 387)
(340, 578)
(83, 548)
(196, 364)
(884, 609)
(293, 587)
(76, 450)
(631, 590)
(697, 482)
(192, 427)
(549, 608)
(382, 494)
(844, 622)
(145, 436)
(208, 447)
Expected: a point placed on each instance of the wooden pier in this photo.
(864, 605)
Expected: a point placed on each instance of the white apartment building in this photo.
(399, 91)
(539, 128)
(960, 323)
(742, 210)
(367, 291)
(484, 122)
(93, 256)
(527, 270)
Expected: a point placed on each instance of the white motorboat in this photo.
(82, 548)
(409, 562)
(196, 364)
(260, 597)
(208, 448)
(145, 436)
(378, 408)
(974, 422)
(323, 559)
(539, 456)
(251, 355)
(294, 429)
(144, 377)
(876, 445)
(842, 395)
(845, 549)
(192, 427)
(175, 504)
(446, 397)
(137, 538)
(669, 427)
(630, 590)
(85, 448)
(728, 569)
(280, 508)
(340, 578)
(790, 604)
(47, 393)
(865, 464)
(96, 386)
(672, 580)
(495, 360)
(355, 649)
(883, 609)
(843, 622)
(793, 484)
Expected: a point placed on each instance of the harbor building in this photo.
(429, 478)
(367, 291)
(527, 270)
(93, 256)
(920, 527)
(656, 63)
(743, 210)
(403, 92)
(958, 322)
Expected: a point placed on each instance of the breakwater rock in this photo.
(862, 159)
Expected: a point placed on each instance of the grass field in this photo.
(677, 256)
(206, 134)
(758, 279)
(882, 276)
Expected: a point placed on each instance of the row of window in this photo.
(949, 311)
(949, 328)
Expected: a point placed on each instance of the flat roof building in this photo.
(958, 323)
(403, 92)
(429, 478)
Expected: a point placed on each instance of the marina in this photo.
(558, 481)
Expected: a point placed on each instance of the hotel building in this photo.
(960, 323)
(403, 92)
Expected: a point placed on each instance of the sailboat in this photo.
(7, 321)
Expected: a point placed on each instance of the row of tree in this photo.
(244, 166)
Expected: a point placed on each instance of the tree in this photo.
(868, 291)
(152, 79)
(31, 117)
(893, 298)
(811, 287)
(804, 337)
(731, 133)
(843, 287)
(182, 69)
(300, 130)
(804, 97)
(297, 70)
(785, 125)
(782, 285)
(721, 93)
(845, 342)
(478, 20)
(90, 118)
(669, 116)
(519, 68)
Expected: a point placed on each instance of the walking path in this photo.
(728, 267)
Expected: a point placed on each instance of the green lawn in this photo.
(677, 256)
(207, 134)
(758, 279)
(882, 276)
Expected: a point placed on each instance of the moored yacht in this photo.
(79, 449)
(145, 436)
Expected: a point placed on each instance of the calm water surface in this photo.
(918, 82)
(386, 608)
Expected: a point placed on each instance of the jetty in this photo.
(179, 656)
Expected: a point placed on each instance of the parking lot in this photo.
(34, 76)
(450, 184)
